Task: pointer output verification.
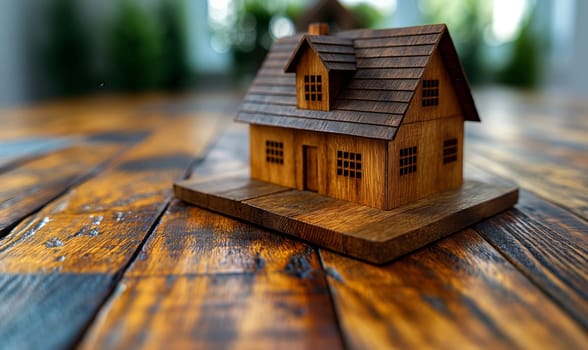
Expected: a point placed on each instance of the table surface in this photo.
(96, 252)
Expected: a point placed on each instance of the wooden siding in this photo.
(448, 104)
(310, 64)
(281, 174)
(369, 190)
(431, 175)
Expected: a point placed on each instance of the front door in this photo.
(310, 168)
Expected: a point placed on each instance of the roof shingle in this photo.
(388, 66)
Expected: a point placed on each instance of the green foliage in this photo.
(367, 14)
(67, 55)
(136, 49)
(524, 66)
(176, 72)
(250, 38)
(466, 20)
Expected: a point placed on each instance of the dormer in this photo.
(322, 64)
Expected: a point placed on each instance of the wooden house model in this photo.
(375, 117)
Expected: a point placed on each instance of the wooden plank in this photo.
(336, 66)
(456, 293)
(545, 242)
(366, 233)
(262, 105)
(217, 311)
(223, 281)
(278, 55)
(393, 62)
(15, 152)
(286, 90)
(375, 95)
(26, 189)
(337, 57)
(390, 73)
(118, 206)
(286, 80)
(47, 311)
(325, 48)
(410, 40)
(394, 32)
(559, 183)
(336, 127)
(394, 85)
(370, 106)
(329, 40)
(556, 261)
(274, 64)
(95, 230)
(266, 100)
(395, 51)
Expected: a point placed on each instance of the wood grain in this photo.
(457, 293)
(432, 173)
(94, 229)
(370, 234)
(203, 280)
(547, 153)
(104, 219)
(29, 187)
(384, 76)
(48, 311)
(16, 152)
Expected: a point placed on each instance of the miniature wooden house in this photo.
(374, 117)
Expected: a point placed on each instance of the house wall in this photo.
(448, 103)
(432, 175)
(310, 63)
(370, 190)
(282, 174)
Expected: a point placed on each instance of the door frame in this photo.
(309, 151)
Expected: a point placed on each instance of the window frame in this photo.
(349, 164)
(450, 150)
(274, 152)
(313, 88)
(407, 160)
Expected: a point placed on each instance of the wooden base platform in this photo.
(370, 234)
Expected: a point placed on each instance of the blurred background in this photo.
(62, 48)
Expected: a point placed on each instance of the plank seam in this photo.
(119, 275)
(75, 182)
(332, 300)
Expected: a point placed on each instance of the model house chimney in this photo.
(320, 28)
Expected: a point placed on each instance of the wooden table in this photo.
(96, 253)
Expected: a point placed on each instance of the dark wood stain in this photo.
(63, 305)
(387, 62)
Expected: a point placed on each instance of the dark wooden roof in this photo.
(389, 66)
(336, 53)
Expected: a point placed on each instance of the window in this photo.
(430, 93)
(408, 160)
(274, 152)
(449, 151)
(313, 88)
(349, 164)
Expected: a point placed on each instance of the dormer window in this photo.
(313, 88)
(322, 64)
